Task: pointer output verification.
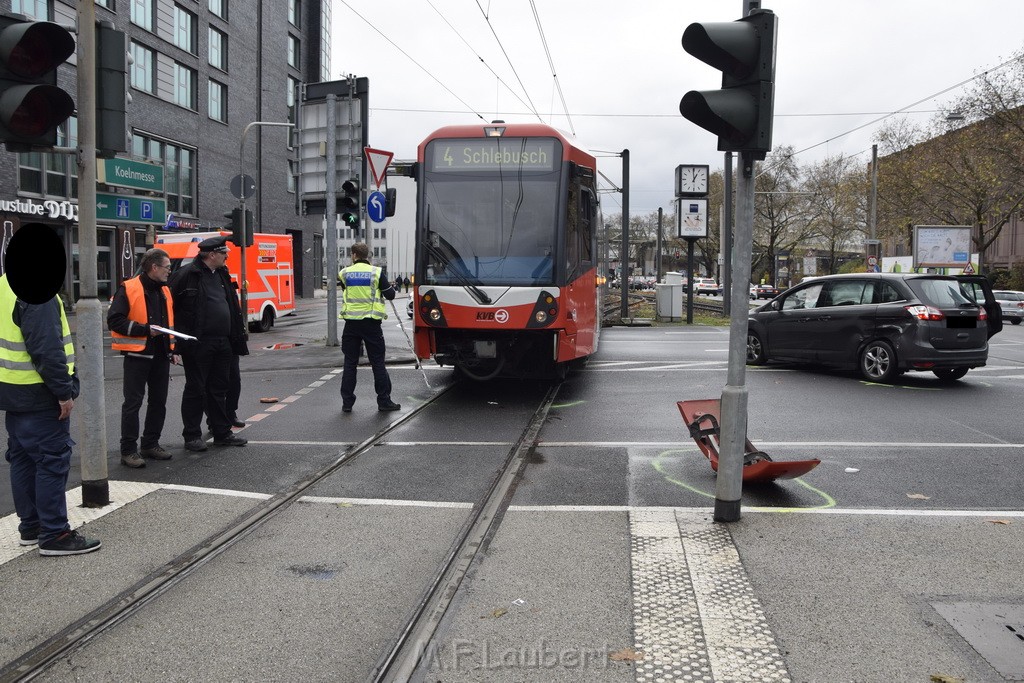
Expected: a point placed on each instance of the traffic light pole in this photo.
(729, 484)
(91, 410)
(624, 246)
(244, 284)
(331, 221)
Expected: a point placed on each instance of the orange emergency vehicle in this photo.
(269, 270)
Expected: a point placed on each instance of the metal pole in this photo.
(874, 191)
(658, 259)
(729, 485)
(331, 221)
(624, 246)
(725, 236)
(689, 280)
(91, 403)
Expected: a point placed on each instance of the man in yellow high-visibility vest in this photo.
(38, 388)
(364, 289)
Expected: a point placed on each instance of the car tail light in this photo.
(922, 312)
(982, 314)
(1020, 304)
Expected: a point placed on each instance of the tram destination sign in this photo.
(134, 174)
(493, 154)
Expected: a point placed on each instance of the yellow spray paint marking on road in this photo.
(659, 467)
(570, 403)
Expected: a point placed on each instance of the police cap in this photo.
(214, 244)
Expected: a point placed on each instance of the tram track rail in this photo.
(78, 634)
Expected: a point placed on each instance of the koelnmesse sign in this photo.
(127, 173)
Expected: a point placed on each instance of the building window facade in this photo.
(179, 164)
(109, 4)
(51, 175)
(184, 29)
(293, 13)
(294, 50)
(217, 101)
(142, 67)
(142, 13)
(184, 93)
(33, 9)
(218, 49)
(292, 85)
(219, 8)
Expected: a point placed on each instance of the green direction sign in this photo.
(126, 208)
(134, 174)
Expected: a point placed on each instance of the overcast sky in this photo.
(621, 70)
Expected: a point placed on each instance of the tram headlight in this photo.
(435, 314)
(540, 316)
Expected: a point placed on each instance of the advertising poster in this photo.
(691, 218)
(942, 246)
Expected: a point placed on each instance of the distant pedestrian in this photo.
(364, 289)
(38, 388)
(406, 283)
(206, 307)
(139, 304)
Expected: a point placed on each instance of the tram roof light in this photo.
(494, 131)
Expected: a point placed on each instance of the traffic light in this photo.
(390, 199)
(241, 231)
(741, 112)
(348, 203)
(31, 104)
(111, 90)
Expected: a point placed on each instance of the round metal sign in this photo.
(243, 186)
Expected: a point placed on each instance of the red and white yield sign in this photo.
(378, 160)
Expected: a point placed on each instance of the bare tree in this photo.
(835, 190)
(781, 213)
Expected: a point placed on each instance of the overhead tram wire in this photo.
(475, 54)
(532, 107)
(551, 64)
(410, 58)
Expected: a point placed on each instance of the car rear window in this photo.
(940, 292)
(1008, 296)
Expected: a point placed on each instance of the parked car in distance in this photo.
(884, 324)
(1012, 305)
(766, 291)
(706, 285)
(409, 307)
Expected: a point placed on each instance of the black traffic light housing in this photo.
(241, 231)
(111, 90)
(32, 107)
(740, 114)
(390, 199)
(348, 203)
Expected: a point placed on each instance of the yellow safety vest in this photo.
(16, 365)
(361, 297)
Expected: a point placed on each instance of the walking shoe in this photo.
(69, 543)
(197, 445)
(230, 440)
(237, 423)
(390, 405)
(132, 460)
(156, 452)
(346, 409)
(30, 537)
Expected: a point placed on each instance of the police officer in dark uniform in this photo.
(364, 289)
(206, 307)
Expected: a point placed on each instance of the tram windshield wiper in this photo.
(454, 265)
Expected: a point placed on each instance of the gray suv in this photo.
(884, 324)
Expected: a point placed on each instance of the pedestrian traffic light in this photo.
(349, 203)
(241, 230)
(741, 112)
(31, 105)
(112, 95)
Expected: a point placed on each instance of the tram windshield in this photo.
(491, 210)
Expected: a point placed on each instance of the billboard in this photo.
(942, 246)
(691, 218)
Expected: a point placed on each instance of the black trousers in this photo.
(366, 332)
(142, 374)
(234, 392)
(207, 376)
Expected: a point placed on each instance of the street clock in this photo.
(691, 180)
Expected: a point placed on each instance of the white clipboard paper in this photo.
(165, 330)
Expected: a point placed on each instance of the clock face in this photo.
(693, 179)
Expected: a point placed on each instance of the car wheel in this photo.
(755, 350)
(950, 374)
(1015, 321)
(878, 362)
(265, 322)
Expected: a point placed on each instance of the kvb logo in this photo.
(499, 316)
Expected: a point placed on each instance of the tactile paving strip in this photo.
(694, 611)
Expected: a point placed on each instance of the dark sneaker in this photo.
(30, 537)
(390, 405)
(346, 409)
(69, 543)
(237, 423)
(197, 445)
(230, 440)
(132, 460)
(156, 453)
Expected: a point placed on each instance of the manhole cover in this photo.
(995, 630)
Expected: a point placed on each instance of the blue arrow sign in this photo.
(376, 205)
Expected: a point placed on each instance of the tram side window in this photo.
(572, 237)
(587, 211)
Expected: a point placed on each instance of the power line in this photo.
(551, 64)
(509, 60)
